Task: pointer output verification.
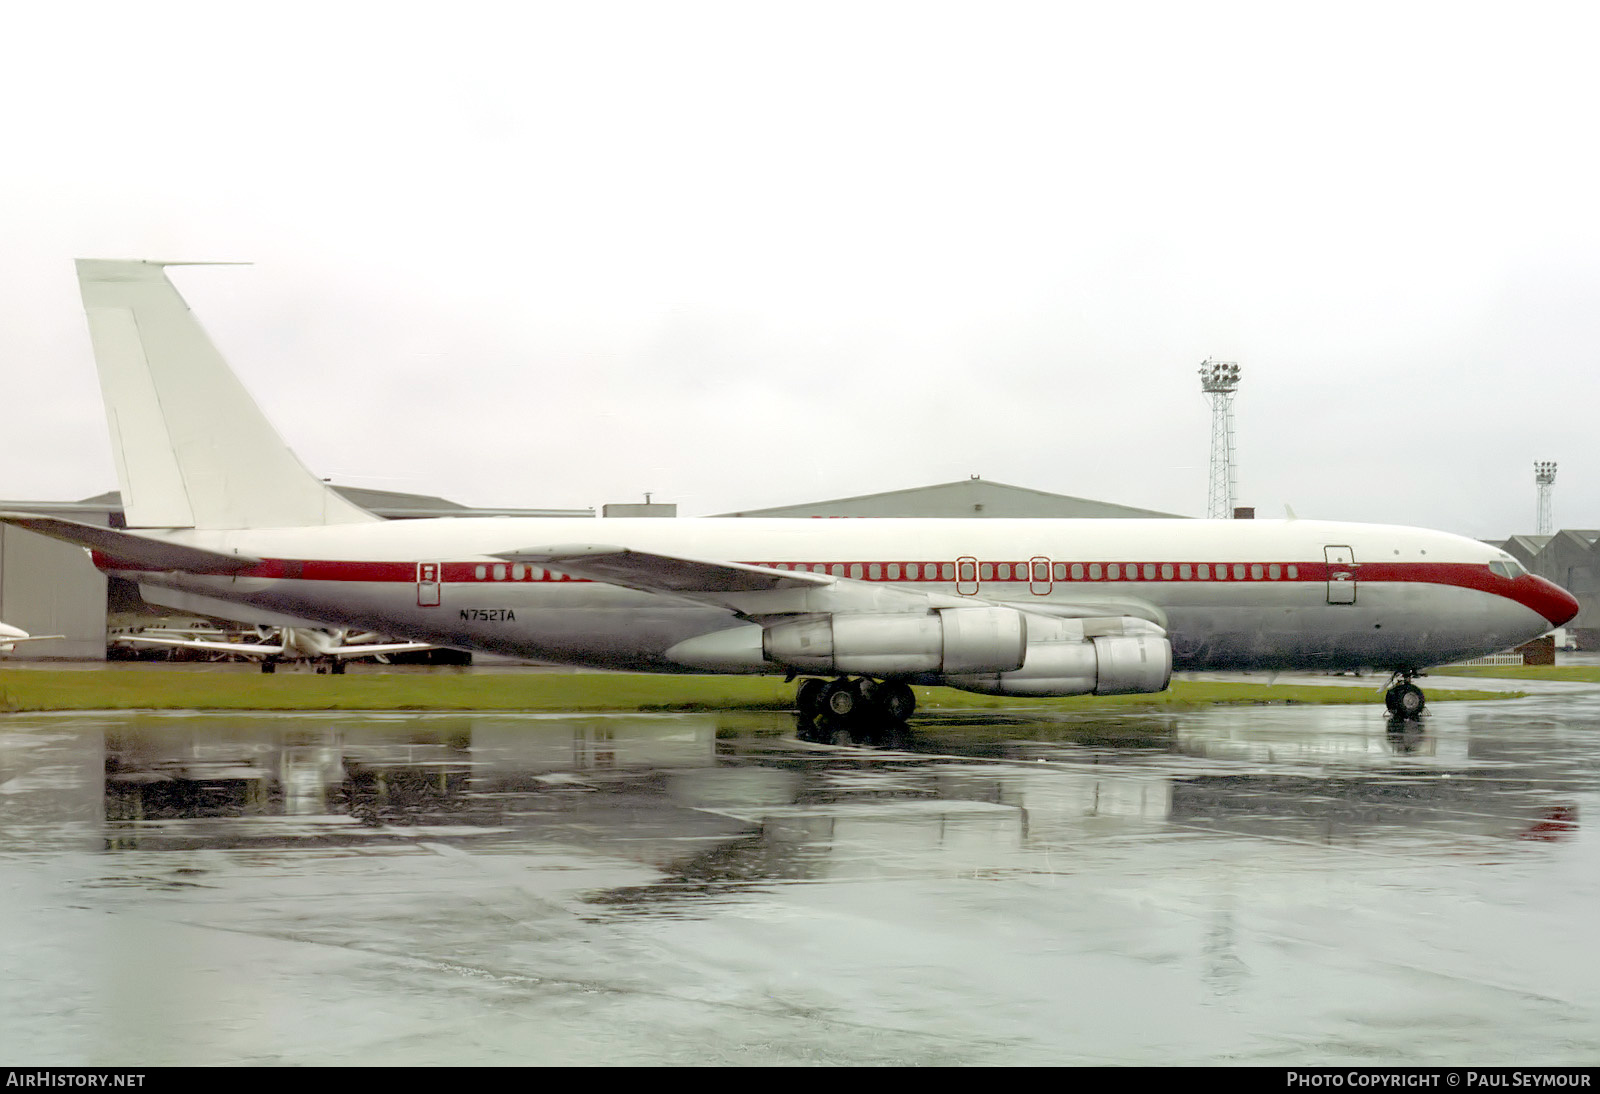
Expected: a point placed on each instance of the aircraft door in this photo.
(1341, 575)
(967, 575)
(1039, 576)
(429, 577)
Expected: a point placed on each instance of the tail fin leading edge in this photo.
(193, 449)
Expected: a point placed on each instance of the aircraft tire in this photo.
(808, 697)
(895, 700)
(840, 698)
(1405, 700)
(269, 666)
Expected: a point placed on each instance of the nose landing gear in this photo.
(1403, 698)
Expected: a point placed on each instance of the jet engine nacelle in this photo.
(950, 640)
(1139, 662)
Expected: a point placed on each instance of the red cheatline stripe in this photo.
(1535, 593)
(1465, 575)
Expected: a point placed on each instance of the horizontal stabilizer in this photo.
(139, 552)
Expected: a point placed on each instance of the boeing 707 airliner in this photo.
(220, 513)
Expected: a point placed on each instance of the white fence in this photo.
(1495, 659)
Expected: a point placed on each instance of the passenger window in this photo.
(837, 569)
(855, 570)
(1094, 571)
(1077, 571)
(1185, 571)
(1113, 572)
(947, 568)
(500, 572)
(1294, 571)
(894, 571)
(481, 572)
(1149, 571)
(1166, 571)
(517, 571)
(1255, 571)
(1238, 571)
(1205, 571)
(1274, 571)
(1005, 571)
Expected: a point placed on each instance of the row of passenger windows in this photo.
(1038, 571)
(1041, 570)
(517, 572)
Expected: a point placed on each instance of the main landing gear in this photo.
(1403, 698)
(844, 709)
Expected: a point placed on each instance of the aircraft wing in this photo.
(141, 551)
(12, 640)
(1093, 604)
(664, 573)
(373, 649)
(244, 649)
(760, 592)
(751, 592)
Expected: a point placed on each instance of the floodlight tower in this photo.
(1219, 380)
(1544, 473)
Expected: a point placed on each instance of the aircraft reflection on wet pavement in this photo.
(1259, 885)
(250, 780)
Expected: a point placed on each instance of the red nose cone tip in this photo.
(1551, 601)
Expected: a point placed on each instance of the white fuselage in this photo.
(1232, 594)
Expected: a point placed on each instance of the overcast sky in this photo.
(752, 254)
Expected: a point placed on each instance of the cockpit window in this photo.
(1506, 567)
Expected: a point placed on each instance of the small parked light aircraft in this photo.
(220, 513)
(329, 649)
(11, 637)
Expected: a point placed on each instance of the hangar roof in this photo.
(972, 497)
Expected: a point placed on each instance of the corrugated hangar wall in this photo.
(49, 587)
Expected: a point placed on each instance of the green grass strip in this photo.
(175, 689)
(1578, 674)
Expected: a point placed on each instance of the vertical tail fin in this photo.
(192, 448)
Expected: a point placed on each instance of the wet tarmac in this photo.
(1250, 885)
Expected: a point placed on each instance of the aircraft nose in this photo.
(1549, 599)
